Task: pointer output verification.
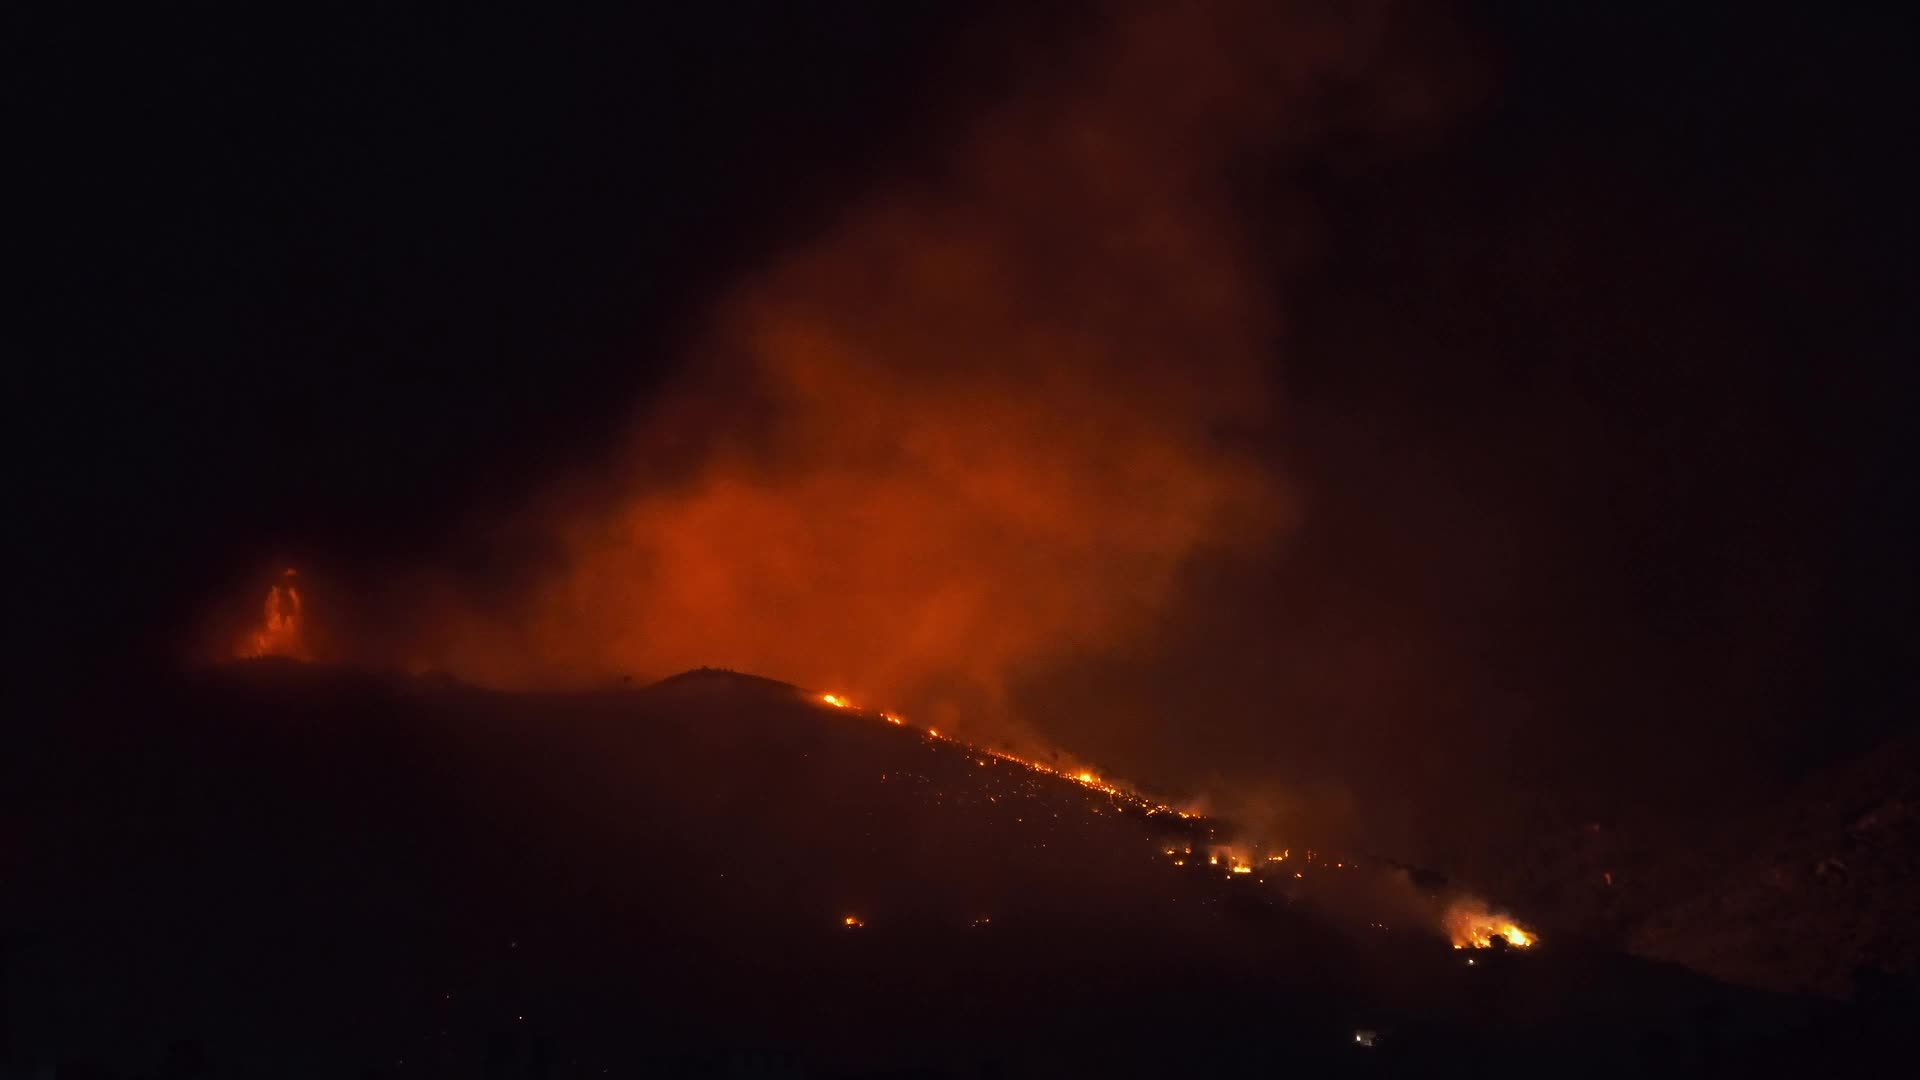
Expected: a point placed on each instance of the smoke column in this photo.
(983, 422)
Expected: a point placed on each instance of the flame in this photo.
(280, 631)
(853, 922)
(1085, 777)
(1469, 923)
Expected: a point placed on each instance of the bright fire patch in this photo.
(1471, 925)
(280, 632)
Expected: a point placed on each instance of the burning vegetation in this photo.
(1471, 924)
(1204, 847)
(281, 631)
(1085, 777)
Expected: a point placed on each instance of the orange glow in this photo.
(836, 701)
(853, 922)
(280, 632)
(1030, 488)
(1243, 869)
(1470, 924)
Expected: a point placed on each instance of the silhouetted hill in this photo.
(1819, 889)
(285, 871)
(1807, 891)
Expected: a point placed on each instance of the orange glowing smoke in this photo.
(993, 414)
(986, 420)
(280, 631)
(1470, 924)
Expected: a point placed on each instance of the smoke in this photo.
(984, 421)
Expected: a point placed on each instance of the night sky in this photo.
(1417, 403)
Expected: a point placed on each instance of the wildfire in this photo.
(1471, 925)
(853, 922)
(1083, 776)
(280, 631)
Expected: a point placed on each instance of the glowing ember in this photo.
(1084, 777)
(280, 631)
(1470, 924)
(853, 922)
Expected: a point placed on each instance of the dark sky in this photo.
(1582, 340)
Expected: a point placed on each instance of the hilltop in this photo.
(286, 870)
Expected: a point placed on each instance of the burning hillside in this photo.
(634, 876)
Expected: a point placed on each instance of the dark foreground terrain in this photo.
(279, 871)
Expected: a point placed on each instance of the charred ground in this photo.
(274, 868)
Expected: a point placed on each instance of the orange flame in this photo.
(280, 632)
(1470, 924)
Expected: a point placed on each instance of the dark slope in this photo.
(1819, 891)
(1813, 889)
(288, 872)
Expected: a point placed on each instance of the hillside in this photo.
(1812, 889)
(279, 870)
(1822, 889)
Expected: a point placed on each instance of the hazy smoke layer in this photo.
(984, 421)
